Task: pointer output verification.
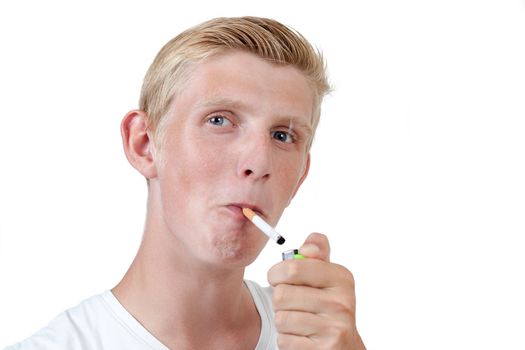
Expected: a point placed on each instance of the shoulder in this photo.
(99, 322)
(75, 328)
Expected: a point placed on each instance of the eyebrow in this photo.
(230, 103)
(220, 101)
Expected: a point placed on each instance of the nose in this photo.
(255, 158)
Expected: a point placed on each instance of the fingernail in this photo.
(309, 250)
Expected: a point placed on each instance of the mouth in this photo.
(238, 208)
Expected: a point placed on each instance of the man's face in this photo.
(236, 136)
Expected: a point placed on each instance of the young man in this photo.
(227, 115)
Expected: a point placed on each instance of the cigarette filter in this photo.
(263, 225)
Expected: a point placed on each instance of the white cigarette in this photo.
(263, 225)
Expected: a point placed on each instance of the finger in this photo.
(316, 246)
(310, 272)
(306, 299)
(298, 298)
(294, 342)
(298, 323)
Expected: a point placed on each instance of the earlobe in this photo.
(138, 146)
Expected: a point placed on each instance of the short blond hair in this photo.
(263, 37)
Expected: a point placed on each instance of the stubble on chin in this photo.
(232, 249)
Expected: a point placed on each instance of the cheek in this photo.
(186, 182)
(289, 175)
(191, 169)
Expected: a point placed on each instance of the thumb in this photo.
(316, 246)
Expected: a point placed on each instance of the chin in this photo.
(236, 250)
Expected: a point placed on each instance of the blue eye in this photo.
(282, 136)
(219, 120)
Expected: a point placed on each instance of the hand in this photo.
(314, 300)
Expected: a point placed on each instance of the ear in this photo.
(138, 146)
(303, 177)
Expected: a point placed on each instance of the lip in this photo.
(253, 207)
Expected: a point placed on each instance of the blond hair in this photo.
(263, 37)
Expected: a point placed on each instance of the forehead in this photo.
(247, 82)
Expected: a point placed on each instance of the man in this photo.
(227, 115)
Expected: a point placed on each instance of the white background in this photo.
(417, 176)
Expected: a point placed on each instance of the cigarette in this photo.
(263, 225)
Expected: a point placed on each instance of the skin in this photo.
(314, 300)
(236, 136)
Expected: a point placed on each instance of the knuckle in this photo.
(346, 275)
(341, 305)
(279, 295)
(293, 270)
(340, 333)
(350, 277)
(280, 319)
(271, 275)
(282, 342)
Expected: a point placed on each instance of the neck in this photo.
(178, 299)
